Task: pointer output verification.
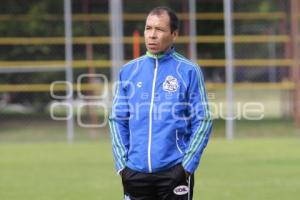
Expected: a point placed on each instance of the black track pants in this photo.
(171, 184)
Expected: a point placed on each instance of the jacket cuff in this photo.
(120, 167)
(119, 171)
(188, 169)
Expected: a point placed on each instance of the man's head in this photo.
(161, 29)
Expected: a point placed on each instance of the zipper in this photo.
(150, 115)
(177, 142)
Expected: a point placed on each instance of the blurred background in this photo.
(58, 62)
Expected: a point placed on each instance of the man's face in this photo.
(158, 36)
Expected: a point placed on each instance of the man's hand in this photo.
(187, 174)
(121, 172)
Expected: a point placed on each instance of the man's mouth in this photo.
(152, 44)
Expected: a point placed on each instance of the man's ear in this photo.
(175, 35)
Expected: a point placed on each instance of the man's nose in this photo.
(153, 34)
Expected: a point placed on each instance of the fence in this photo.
(262, 42)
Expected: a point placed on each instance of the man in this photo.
(160, 122)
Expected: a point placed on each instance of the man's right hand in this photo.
(121, 173)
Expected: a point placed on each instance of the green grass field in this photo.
(243, 169)
(262, 162)
(40, 128)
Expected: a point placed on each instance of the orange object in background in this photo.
(136, 44)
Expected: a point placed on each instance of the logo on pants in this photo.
(181, 190)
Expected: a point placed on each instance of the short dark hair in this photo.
(174, 22)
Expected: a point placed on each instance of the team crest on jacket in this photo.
(170, 84)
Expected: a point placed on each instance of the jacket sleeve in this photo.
(118, 124)
(200, 121)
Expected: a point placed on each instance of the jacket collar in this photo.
(161, 56)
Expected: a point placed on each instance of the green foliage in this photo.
(36, 24)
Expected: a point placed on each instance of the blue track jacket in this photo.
(160, 114)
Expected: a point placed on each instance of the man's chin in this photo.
(152, 51)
